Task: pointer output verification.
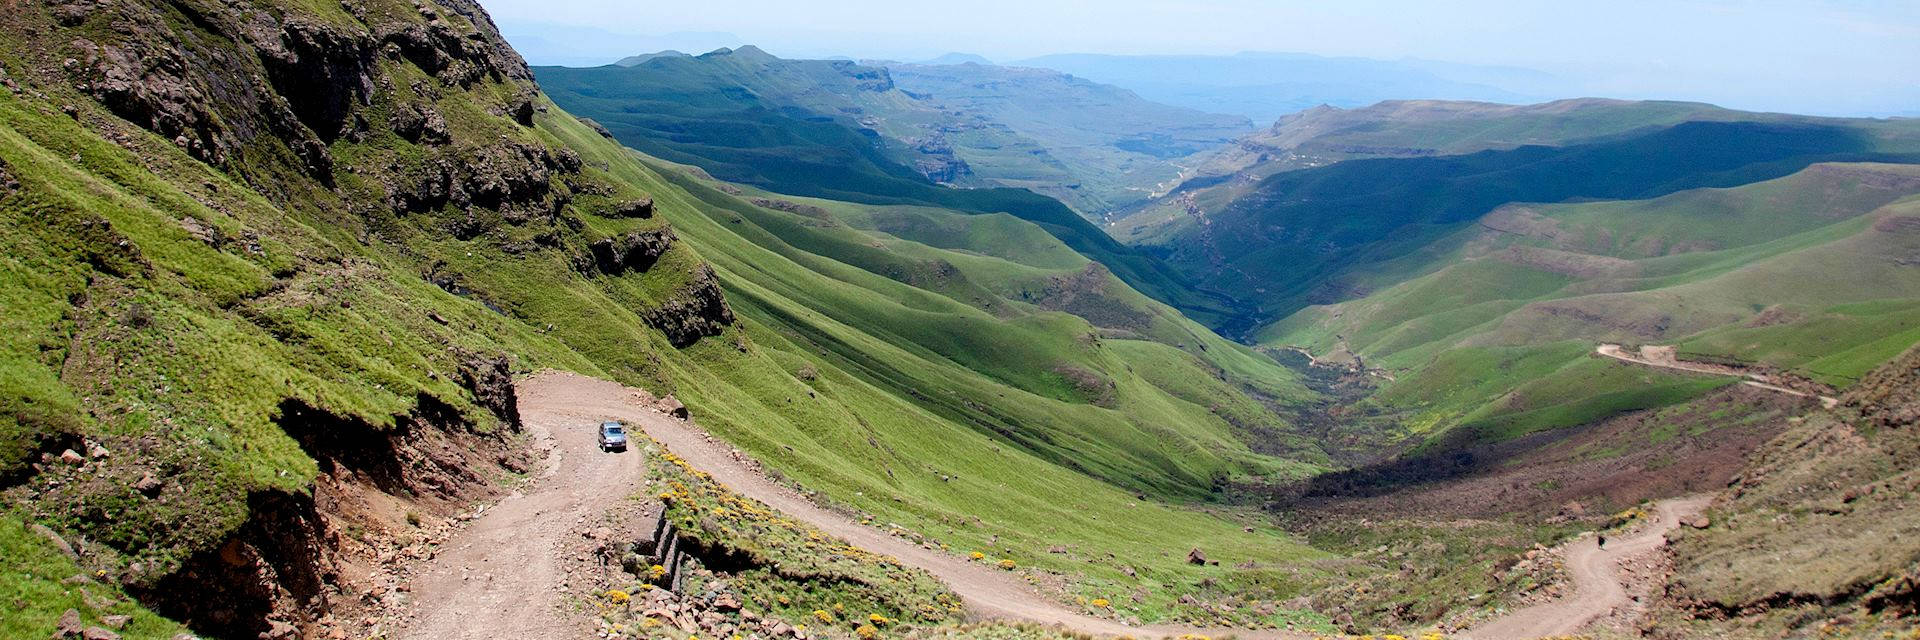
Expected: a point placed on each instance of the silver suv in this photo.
(613, 437)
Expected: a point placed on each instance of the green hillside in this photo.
(808, 128)
(1811, 274)
(237, 333)
(1291, 239)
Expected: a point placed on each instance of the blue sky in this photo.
(1815, 56)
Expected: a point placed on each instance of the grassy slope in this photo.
(782, 133)
(1802, 273)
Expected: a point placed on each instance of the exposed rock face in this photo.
(696, 311)
(491, 381)
(202, 87)
(421, 124)
(636, 251)
(513, 177)
(275, 577)
(320, 110)
(274, 569)
(641, 208)
(323, 72)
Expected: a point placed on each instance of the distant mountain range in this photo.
(1093, 146)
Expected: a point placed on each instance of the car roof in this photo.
(609, 423)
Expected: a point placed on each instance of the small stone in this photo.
(148, 485)
(277, 629)
(69, 625)
(99, 633)
(72, 457)
(672, 406)
(1196, 557)
(116, 621)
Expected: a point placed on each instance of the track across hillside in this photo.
(1596, 580)
(1619, 353)
(504, 576)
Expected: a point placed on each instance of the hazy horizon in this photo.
(1826, 58)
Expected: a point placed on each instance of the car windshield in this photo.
(613, 431)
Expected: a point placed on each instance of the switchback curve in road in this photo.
(1596, 580)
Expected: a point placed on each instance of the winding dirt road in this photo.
(1619, 353)
(1596, 580)
(505, 575)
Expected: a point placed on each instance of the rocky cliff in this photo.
(272, 266)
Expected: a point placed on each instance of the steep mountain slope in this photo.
(1812, 276)
(820, 128)
(269, 268)
(1120, 148)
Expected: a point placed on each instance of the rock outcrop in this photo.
(696, 311)
(636, 251)
(490, 380)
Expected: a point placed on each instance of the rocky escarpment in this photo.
(191, 70)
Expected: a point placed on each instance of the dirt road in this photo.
(1618, 353)
(1597, 587)
(503, 576)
